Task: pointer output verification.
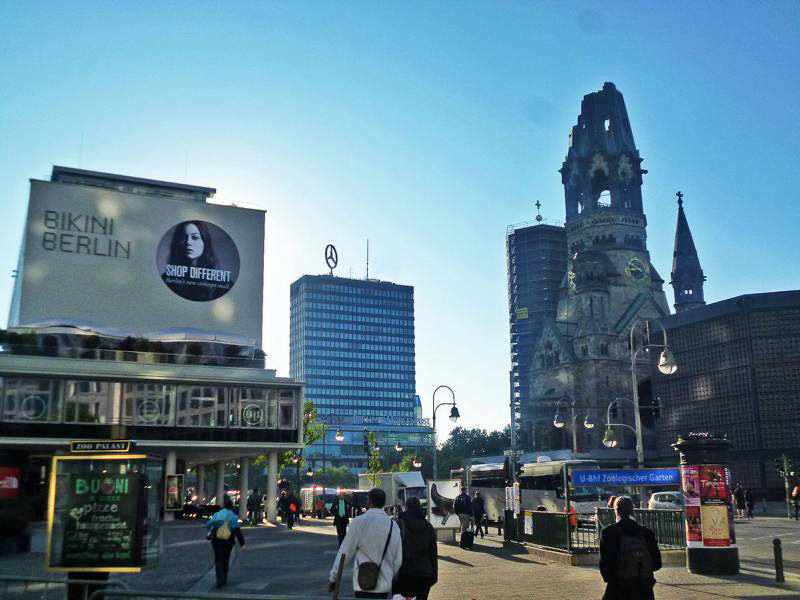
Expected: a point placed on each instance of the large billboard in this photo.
(140, 262)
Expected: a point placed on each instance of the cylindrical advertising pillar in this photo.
(705, 478)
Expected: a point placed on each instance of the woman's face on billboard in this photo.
(192, 241)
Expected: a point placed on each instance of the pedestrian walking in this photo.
(463, 508)
(253, 507)
(738, 499)
(373, 541)
(478, 513)
(223, 527)
(420, 569)
(749, 503)
(629, 556)
(341, 516)
(293, 504)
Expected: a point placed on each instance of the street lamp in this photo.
(310, 472)
(666, 365)
(610, 438)
(454, 415)
(416, 463)
(558, 421)
(339, 435)
(398, 447)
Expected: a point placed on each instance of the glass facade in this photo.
(352, 343)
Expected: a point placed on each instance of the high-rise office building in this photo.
(352, 343)
(537, 262)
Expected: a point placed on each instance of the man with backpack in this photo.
(420, 568)
(629, 556)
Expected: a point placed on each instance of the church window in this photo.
(585, 350)
(604, 349)
(607, 124)
(556, 357)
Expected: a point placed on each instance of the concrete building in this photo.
(537, 261)
(739, 375)
(582, 357)
(137, 315)
(352, 344)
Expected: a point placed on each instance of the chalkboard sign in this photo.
(98, 518)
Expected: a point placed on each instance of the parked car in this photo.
(666, 501)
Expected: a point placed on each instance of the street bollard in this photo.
(776, 548)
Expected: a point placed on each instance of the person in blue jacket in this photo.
(222, 546)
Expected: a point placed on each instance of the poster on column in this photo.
(441, 503)
(694, 530)
(713, 485)
(690, 482)
(716, 529)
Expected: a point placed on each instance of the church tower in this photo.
(687, 276)
(582, 357)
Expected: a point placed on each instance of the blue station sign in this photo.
(611, 477)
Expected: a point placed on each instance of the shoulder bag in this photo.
(368, 571)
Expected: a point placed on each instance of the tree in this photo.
(465, 444)
(336, 477)
(374, 464)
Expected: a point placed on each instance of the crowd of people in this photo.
(397, 554)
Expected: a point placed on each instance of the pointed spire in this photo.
(687, 275)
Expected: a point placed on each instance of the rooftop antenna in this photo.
(367, 258)
(538, 206)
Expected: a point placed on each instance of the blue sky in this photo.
(425, 127)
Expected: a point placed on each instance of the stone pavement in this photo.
(296, 563)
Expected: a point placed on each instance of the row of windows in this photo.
(146, 404)
(368, 384)
(314, 343)
(408, 375)
(362, 412)
(363, 291)
(371, 330)
(382, 364)
(312, 332)
(351, 403)
(366, 303)
(353, 310)
(313, 391)
(356, 318)
(407, 358)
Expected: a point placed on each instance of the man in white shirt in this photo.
(366, 539)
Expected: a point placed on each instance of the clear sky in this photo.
(425, 127)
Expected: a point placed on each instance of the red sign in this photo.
(9, 483)
(713, 485)
(694, 531)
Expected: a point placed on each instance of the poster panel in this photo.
(441, 501)
(201, 264)
(715, 525)
(713, 485)
(690, 483)
(694, 530)
(10, 478)
(173, 492)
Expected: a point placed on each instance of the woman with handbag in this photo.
(223, 527)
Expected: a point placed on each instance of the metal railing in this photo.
(668, 525)
(46, 588)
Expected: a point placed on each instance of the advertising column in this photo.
(710, 537)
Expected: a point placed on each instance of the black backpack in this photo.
(635, 562)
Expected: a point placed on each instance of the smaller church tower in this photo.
(687, 276)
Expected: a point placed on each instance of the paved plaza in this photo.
(282, 562)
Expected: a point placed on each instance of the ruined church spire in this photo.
(687, 275)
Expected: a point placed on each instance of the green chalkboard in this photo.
(98, 517)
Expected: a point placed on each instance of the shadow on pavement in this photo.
(455, 561)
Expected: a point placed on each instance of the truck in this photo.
(399, 487)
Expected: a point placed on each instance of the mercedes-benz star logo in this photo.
(331, 256)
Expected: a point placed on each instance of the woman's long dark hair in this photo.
(177, 253)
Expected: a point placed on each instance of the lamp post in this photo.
(610, 438)
(558, 421)
(666, 365)
(454, 415)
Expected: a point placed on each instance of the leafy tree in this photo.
(374, 464)
(465, 444)
(336, 477)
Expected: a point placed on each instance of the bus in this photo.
(541, 487)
